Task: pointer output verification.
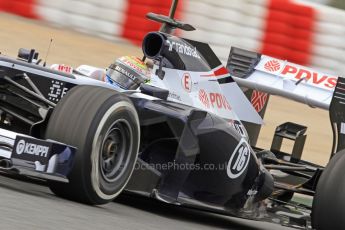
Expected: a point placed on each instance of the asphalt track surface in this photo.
(25, 205)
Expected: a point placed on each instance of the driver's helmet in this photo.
(128, 73)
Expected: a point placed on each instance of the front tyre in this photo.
(104, 126)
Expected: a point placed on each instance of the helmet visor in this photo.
(124, 79)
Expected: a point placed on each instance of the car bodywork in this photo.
(173, 134)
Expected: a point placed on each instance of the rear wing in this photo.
(299, 83)
(277, 77)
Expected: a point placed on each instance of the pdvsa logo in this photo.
(214, 100)
(204, 98)
(239, 160)
(219, 101)
(311, 77)
(272, 65)
(259, 100)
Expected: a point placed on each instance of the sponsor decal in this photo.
(65, 68)
(219, 101)
(20, 147)
(62, 68)
(32, 150)
(57, 91)
(238, 126)
(175, 96)
(300, 73)
(138, 68)
(125, 72)
(136, 61)
(239, 160)
(259, 100)
(187, 82)
(24, 147)
(272, 65)
(183, 49)
(214, 100)
(204, 98)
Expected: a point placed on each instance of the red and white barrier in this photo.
(295, 30)
(26, 8)
(136, 25)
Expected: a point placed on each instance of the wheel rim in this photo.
(114, 150)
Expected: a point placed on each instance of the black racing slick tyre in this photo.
(329, 201)
(104, 127)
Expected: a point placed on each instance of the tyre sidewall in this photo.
(110, 111)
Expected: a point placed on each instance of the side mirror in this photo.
(154, 91)
(27, 55)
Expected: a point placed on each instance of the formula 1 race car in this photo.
(187, 137)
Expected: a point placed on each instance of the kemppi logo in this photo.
(272, 66)
(214, 100)
(20, 147)
(32, 149)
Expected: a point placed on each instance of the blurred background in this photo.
(337, 3)
(307, 32)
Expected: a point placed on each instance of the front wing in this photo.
(25, 155)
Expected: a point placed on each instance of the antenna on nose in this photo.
(48, 51)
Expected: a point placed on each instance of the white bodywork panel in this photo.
(7, 137)
(291, 81)
(202, 90)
